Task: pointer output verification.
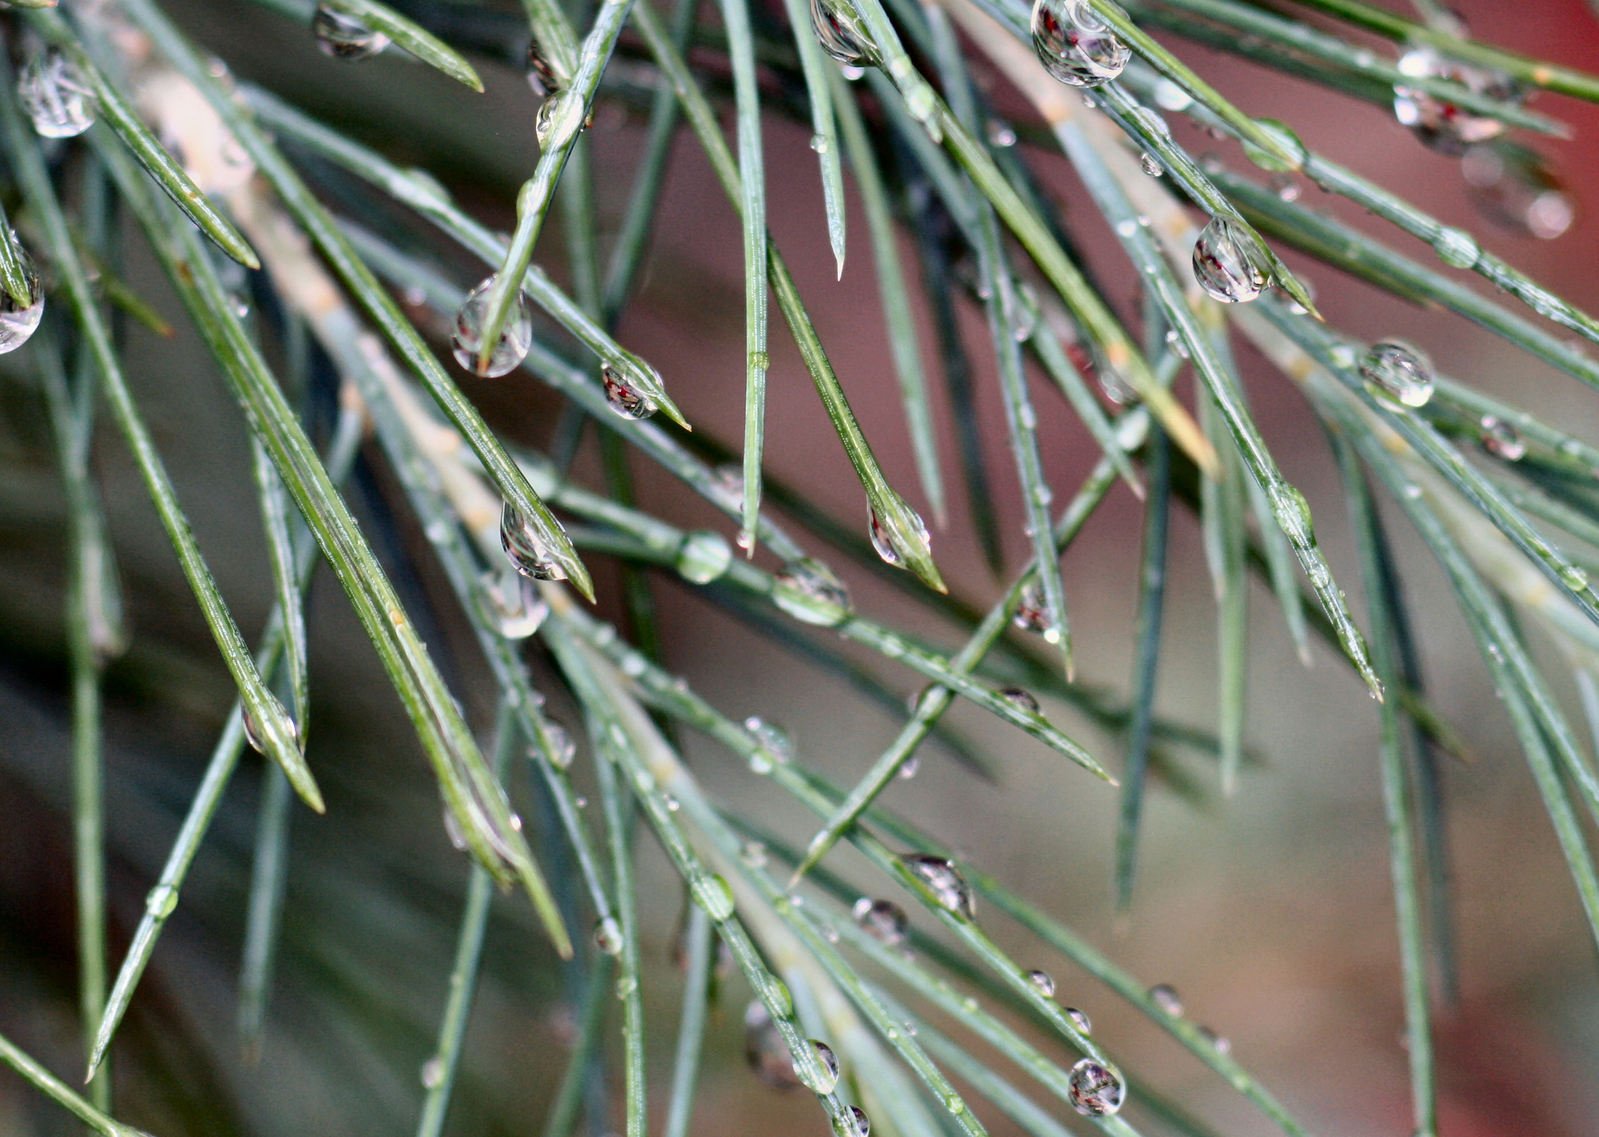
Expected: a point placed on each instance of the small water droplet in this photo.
(1287, 141)
(703, 557)
(909, 767)
(1169, 96)
(453, 831)
(625, 397)
(433, 1073)
(883, 920)
(1022, 699)
(541, 75)
(1285, 186)
(808, 591)
(1502, 440)
(1218, 1043)
(1151, 165)
(18, 323)
(1042, 982)
(467, 338)
(517, 609)
(1574, 578)
(525, 548)
(1032, 611)
(1230, 263)
(563, 747)
(1000, 134)
(1438, 123)
(161, 901)
(1456, 247)
(713, 894)
(822, 1073)
(944, 882)
(883, 543)
(1166, 999)
(753, 853)
(55, 96)
(345, 37)
(608, 937)
(776, 744)
(1095, 1089)
(256, 735)
(853, 1122)
(840, 31)
(1075, 43)
(1178, 345)
(1398, 373)
(1080, 1020)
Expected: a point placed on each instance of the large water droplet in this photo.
(1502, 440)
(623, 396)
(18, 323)
(1075, 44)
(608, 937)
(1230, 263)
(1398, 372)
(55, 96)
(765, 1050)
(883, 920)
(884, 545)
(467, 338)
(1518, 189)
(853, 1122)
(704, 556)
(345, 37)
(1042, 982)
(823, 1076)
(940, 877)
(1438, 123)
(161, 901)
(1166, 999)
(525, 548)
(254, 733)
(840, 32)
(1095, 1088)
(713, 894)
(807, 590)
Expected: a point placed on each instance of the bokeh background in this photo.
(1270, 911)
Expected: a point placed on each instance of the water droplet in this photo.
(703, 557)
(1456, 247)
(1000, 134)
(1166, 999)
(1080, 1020)
(161, 901)
(541, 75)
(820, 1075)
(1285, 187)
(517, 609)
(776, 745)
(909, 767)
(1438, 123)
(941, 879)
(1230, 263)
(1095, 1088)
(563, 747)
(55, 96)
(1151, 165)
(853, 1122)
(1075, 43)
(256, 735)
(1178, 345)
(1518, 189)
(623, 397)
(433, 1073)
(345, 37)
(1022, 699)
(1287, 141)
(883, 542)
(467, 338)
(1574, 578)
(1398, 373)
(1032, 610)
(525, 548)
(764, 1049)
(1169, 96)
(608, 937)
(1218, 1043)
(453, 831)
(883, 920)
(753, 853)
(1502, 440)
(839, 30)
(18, 323)
(808, 591)
(1042, 982)
(713, 894)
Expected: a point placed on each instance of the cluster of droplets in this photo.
(1076, 44)
(1398, 373)
(943, 882)
(1230, 263)
(343, 36)
(466, 340)
(809, 591)
(18, 322)
(528, 553)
